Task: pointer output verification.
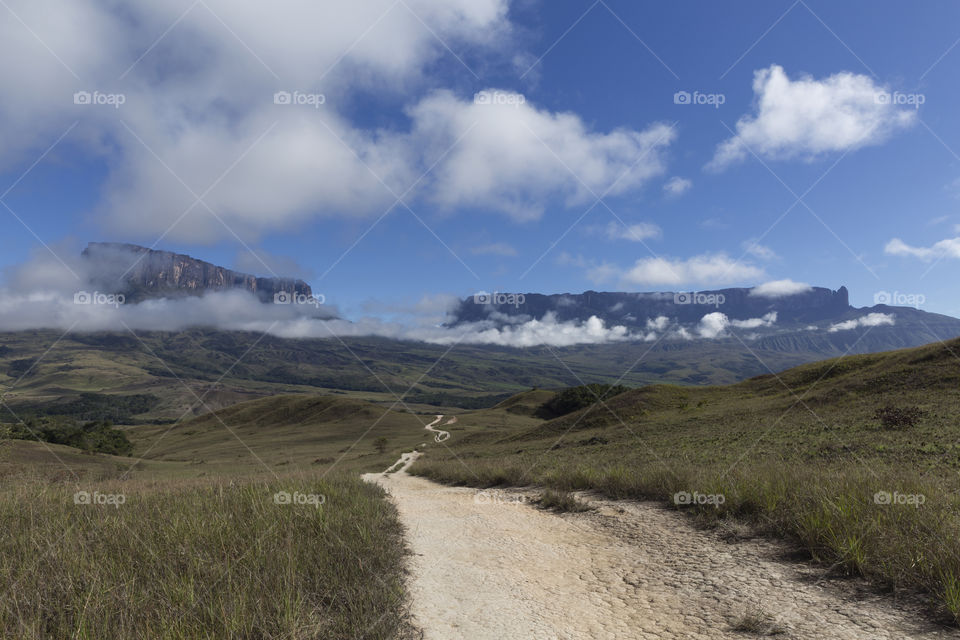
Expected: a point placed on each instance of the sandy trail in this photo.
(488, 564)
(440, 435)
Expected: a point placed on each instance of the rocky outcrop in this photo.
(141, 273)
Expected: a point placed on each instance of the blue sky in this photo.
(312, 190)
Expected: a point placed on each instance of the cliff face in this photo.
(634, 309)
(142, 273)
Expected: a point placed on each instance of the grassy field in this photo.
(803, 454)
(159, 556)
(286, 433)
(856, 459)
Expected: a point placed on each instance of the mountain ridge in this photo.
(142, 273)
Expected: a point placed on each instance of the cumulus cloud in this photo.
(199, 118)
(658, 324)
(511, 157)
(768, 320)
(780, 289)
(715, 325)
(676, 185)
(708, 269)
(807, 117)
(200, 150)
(635, 232)
(869, 320)
(949, 248)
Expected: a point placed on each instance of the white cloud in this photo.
(513, 158)
(869, 320)
(780, 289)
(676, 185)
(806, 117)
(768, 320)
(949, 248)
(199, 108)
(715, 325)
(759, 251)
(635, 232)
(494, 249)
(658, 324)
(708, 269)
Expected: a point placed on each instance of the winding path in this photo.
(491, 565)
(440, 435)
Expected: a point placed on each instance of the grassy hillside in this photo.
(157, 376)
(856, 458)
(192, 559)
(98, 547)
(286, 432)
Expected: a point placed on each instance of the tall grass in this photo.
(861, 522)
(200, 559)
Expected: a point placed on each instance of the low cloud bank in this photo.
(780, 289)
(715, 325)
(48, 293)
(869, 320)
(241, 311)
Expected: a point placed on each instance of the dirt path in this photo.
(440, 435)
(491, 565)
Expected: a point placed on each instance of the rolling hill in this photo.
(856, 459)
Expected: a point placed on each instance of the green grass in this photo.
(211, 558)
(801, 455)
(562, 501)
(286, 432)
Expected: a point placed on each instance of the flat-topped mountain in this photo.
(816, 321)
(141, 273)
(634, 309)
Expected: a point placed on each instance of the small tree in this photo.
(381, 444)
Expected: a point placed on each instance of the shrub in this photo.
(561, 501)
(576, 398)
(892, 417)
